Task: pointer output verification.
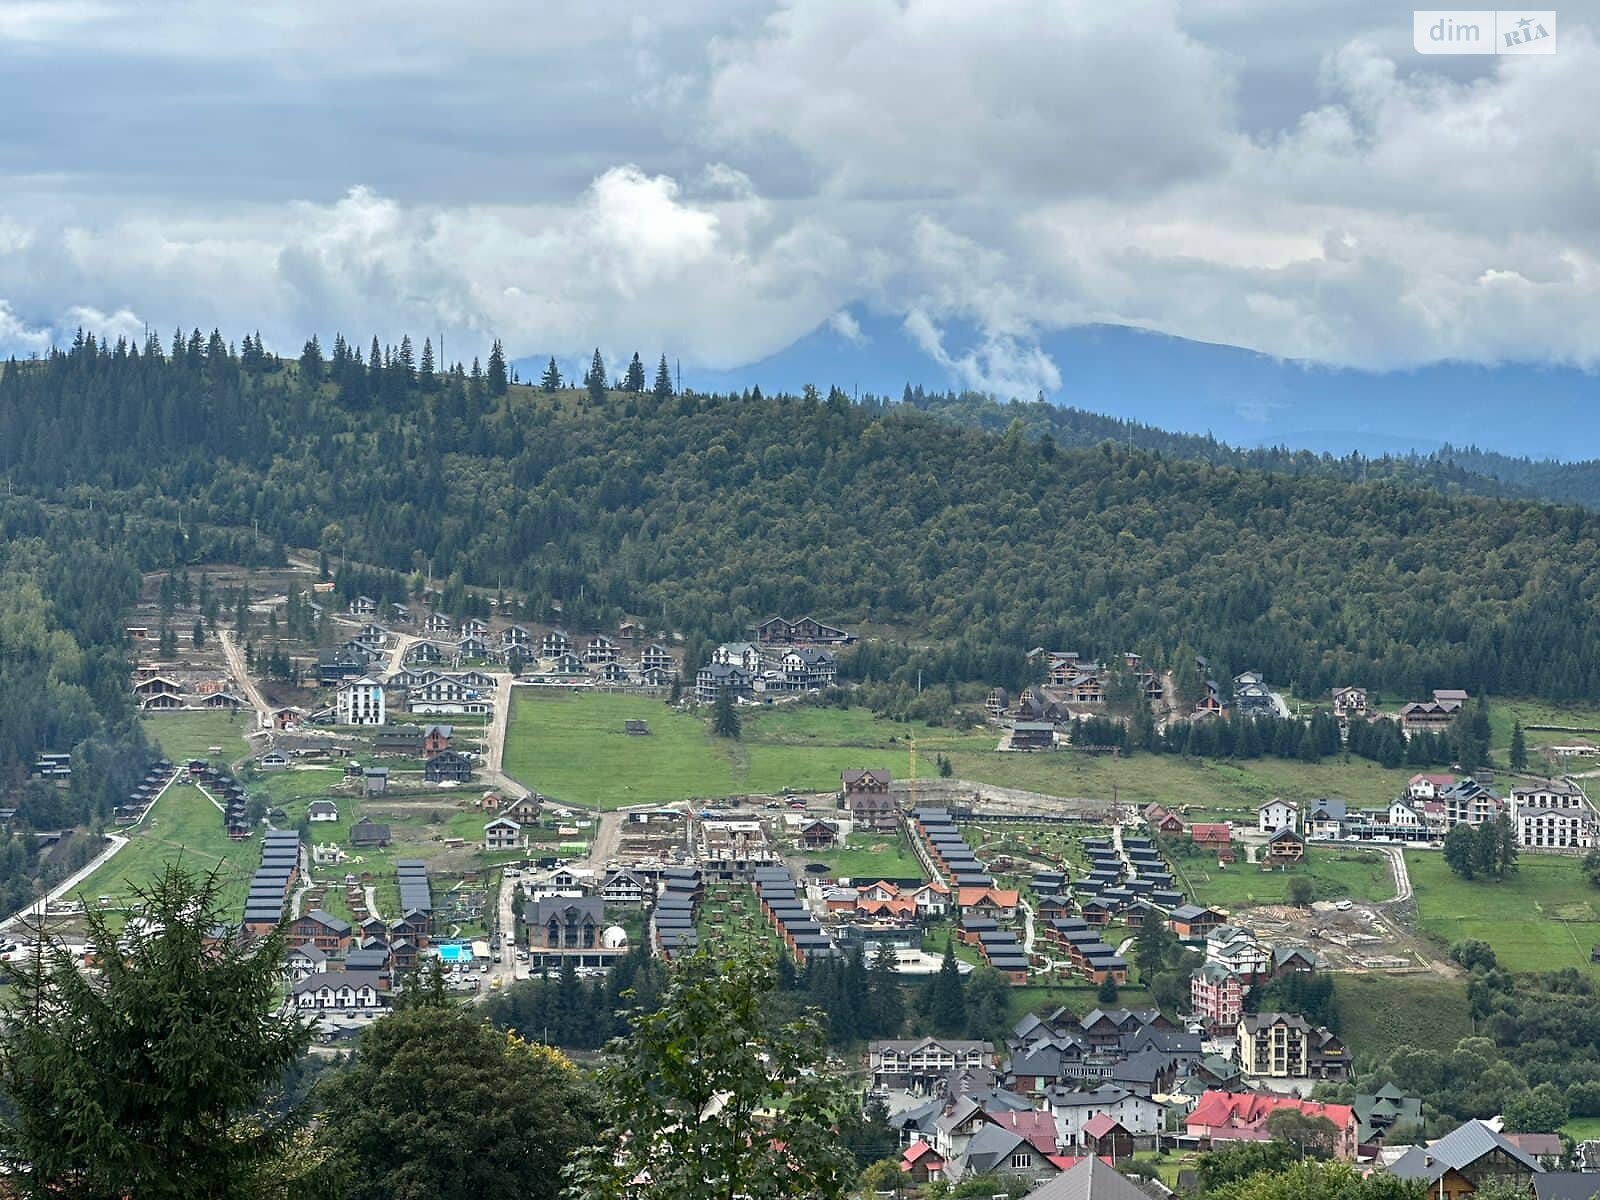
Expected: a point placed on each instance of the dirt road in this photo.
(247, 685)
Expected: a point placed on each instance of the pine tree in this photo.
(595, 380)
(153, 1077)
(375, 365)
(550, 381)
(498, 382)
(406, 360)
(724, 717)
(1519, 748)
(425, 377)
(634, 380)
(663, 387)
(949, 1007)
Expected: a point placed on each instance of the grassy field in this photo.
(1546, 916)
(870, 856)
(1503, 713)
(185, 735)
(182, 827)
(1361, 875)
(1582, 1129)
(1378, 1013)
(555, 743)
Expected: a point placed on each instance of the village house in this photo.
(328, 933)
(322, 811)
(775, 631)
(554, 643)
(600, 650)
(1215, 838)
(1216, 995)
(436, 739)
(1222, 1117)
(656, 657)
(624, 887)
(347, 991)
(502, 833)
(1277, 814)
(921, 1065)
(369, 833)
(818, 835)
(1471, 1156)
(1161, 821)
(448, 766)
(865, 796)
(713, 679)
(999, 904)
(1555, 816)
(1326, 819)
(1286, 848)
(1350, 703)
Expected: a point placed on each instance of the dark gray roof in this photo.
(1090, 1179)
(1461, 1147)
(1566, 1185)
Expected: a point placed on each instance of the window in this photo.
(1022, 1160)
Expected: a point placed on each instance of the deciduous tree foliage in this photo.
(154, 1079)
(439, 1105)
(710, 1099)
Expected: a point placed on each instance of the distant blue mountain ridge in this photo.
(1238, 396)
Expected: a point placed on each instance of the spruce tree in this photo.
(1519, 748)
(634, 380)
(425, 377)
(550, 381)
(949, 1007)
(406, 360)
(595, 380)
(663, 387)
(498, 382)
(154, 1076)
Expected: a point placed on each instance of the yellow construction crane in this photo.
(911, 783)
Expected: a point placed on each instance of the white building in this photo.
(1239, 950)
(1277, 814)
(1555, 829)
(502, 833)
(1405, 816)
(743, 655)
(322, 811)
(360, 702)
(1073, 1110)
(348, 991)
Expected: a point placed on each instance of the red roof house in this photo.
(1242, 1117)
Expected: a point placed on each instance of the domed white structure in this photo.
(615, 938)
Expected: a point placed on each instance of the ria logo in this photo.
(1483, 31)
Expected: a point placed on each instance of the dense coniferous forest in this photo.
(962, 547)
(1453, 470)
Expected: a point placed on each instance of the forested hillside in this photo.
(1451, 471)
(710, 512)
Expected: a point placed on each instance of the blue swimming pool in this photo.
(455, 954)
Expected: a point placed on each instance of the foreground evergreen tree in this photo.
(550, 381)
(440, 1106)
(724, 716)
(499, 381)
(663, 384)
(711, 1100)
(151, 1078)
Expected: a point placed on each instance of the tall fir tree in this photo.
(498, 381)
(595, 380)
(425, 376)
(550, 381)
(633, 381)
(663, 387)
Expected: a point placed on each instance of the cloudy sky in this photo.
(716, 178)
